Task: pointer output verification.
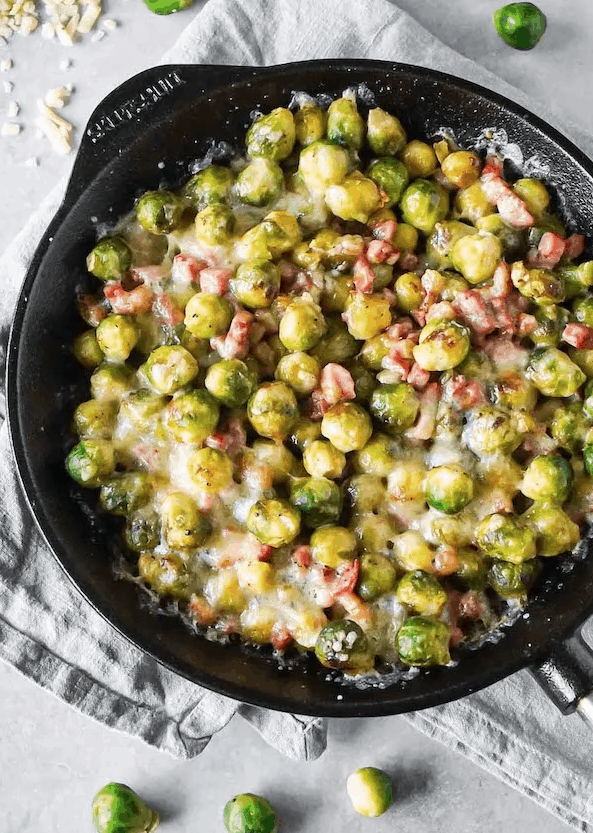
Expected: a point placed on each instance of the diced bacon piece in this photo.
(579, 336)
(501, 285)
(441, 310)
(400, 357)
(538, 442)
(336, 384)
(149, 274)
(408, 261)
(465, 393)
(356, 609)
(201, 611)
(91, 310)
(526, 323)
(346, 578)
(128, 303)
(280, 637)
(510, 207)
(549, 251)
(505, 354)
(363, 275)
(494, 165)
(289, 271)
(231, 439)
(385, 230)
(425, 424)
(401, 329)
(418, 377)
(470, 606)
(215, 281)
(186, 268)
(235, 344)
(389, 296)
(318, 405)
(445, 561)
(302, 556)
(165, 311)
(350, 245)
(473, 311)
(264, 553)
(503, 315)
(574, 246)
(379, 251)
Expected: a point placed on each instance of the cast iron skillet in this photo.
(146, 134)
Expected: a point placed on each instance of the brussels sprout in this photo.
(396, 406)
(541, 285)
(275, 457)
(272, 410)
(548, 478)
(378, 456)
(117, 335)
(207, 316)
(159, 212)
(577, 279)
(143, 530)
(260, 183)
(545, 223)
(443, 344)
(462, 168)
(385, 133)
(322, 459)
(375, 533)
(309, 122)
(442, 240)
(409, 291)
(582, 359)
(184, 526)
(512, 581)
(553, 373)
(569, 426)
(374, 350)
(472, 569)
(95, 418)
(318, 500)
(422, 593)
(513, 391)
(551, 321)
(336, 291)
(391, 176)
(214, 225)
(555, 532)
(364, 380)
(303, 432)
(170, 368)
(347, 426)
(365, 493)
(256, 283)
(272, 136)
(405, 481)
(406, 237)
(369, 790)
(191, 416)
(503, 536)
(322, 164)
(423, 204)
(124, 493)
(412, 552)
(110, 259)
(476, 256)
(336, 345)
(302, 325)
(367, 315)
(376, 576)
(449, 489)
(111, 381)
(471, 203)
(209, 186)
(422, 641)
(281, 231)
(86, 350)
(333, 545)
(534, 194)
(343, 644)
(355, 198)
(582, 311)
(419, 159)
(274, 522)
(117, 809)
(167, 575)
(140, 406)
(249, 813)
(490, 430)
(300, 371)
(345, 125)
(210, 470)
(90, 462)
(230, 381)
(512, 239)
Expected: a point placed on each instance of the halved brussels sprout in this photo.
(184, 526)
(210, 470)
(555, 532)
(342, 644)
(333, 545)
(90, 462)
(376, 576)
(309, 123)
(355, 198)
(209, 186)
(207, 316)
(215, 224)
(117, 335)
(260, 183)
(256, 283)
(191, 416)
(124, 493)
(230, 381)
(302, 325)
(476, 256)
(367, 315)
(249, 813)
(462, 167)
(322, 459)
(322, 164)
(548, 478)
(385, 133)
(347, 426)
(512, 581)
(391, 176)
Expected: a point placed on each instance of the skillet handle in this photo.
(566, 676)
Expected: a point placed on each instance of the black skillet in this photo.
(146, 134)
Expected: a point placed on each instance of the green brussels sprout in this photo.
(281, 232)
(304, 432)
(367, 315)
(476, 256)
(209, 186)
(210, 470)
(90, 462)
(512, 239)
(582, 359)
(260, 183)
(540, 285)
(300, 371)
(412, 552)
(170, 368)
(504, 536)
(449, 489)
(272, 410)
(422, 641)
(547, 222)
(274, 522)
(375, 533)
(376, 576)
(385, 133)
(419, 158)
(395, 406)
(230, 382)
(336, 345)
(347, 426)
(512, 581)
(569, 426)
(322, 459)
(336, 291)
(366, 493)
(548, 478)
(143, 530)
(370, 791)
(110, 259)
(95, 419)
(553, 373)
(191, 416)
(490, 430)
(378, 456)
(355, 198)
(207, 316)
(462, 167)
(322, 164)
(364, 380)
(443, 344)
(159, 212)
(471, 203)
(345, 125)
(472, 568)
(86, 350)
(577, 279)
(214, 225)
(374, 350)
(184, 526)
(309, 123)
(256, 283)
(117, 335)
(343, 644)
(302, 325)
(422, 593)
(391, 176)
(554, 531)
(111, 381)
(513, 391)
(117, 809)
(140, 406)
(423, 204)
(534, 194)
(409, 291)
(272, 136)
(332, 546)
(318, 500)
(249, 813)
(582, 311)
(167, 575)
(444, 236)
(126, 492)
(275, 457)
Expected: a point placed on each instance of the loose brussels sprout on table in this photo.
(117, 809)
(249, 813)
(370, 791)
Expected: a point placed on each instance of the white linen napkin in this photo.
(50, 633)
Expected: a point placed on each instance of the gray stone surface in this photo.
(53, 759)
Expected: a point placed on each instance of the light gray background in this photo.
(52, 759)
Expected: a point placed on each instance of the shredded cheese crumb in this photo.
(10, 128)
(8, 87)
(110, 24)
(57, 97)
(99, 35)
(12, 110)
(5, 66)
(65, 19)
(56, 128)
(31, 162)
(67, 64)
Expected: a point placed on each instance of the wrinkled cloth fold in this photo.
(50, 633)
